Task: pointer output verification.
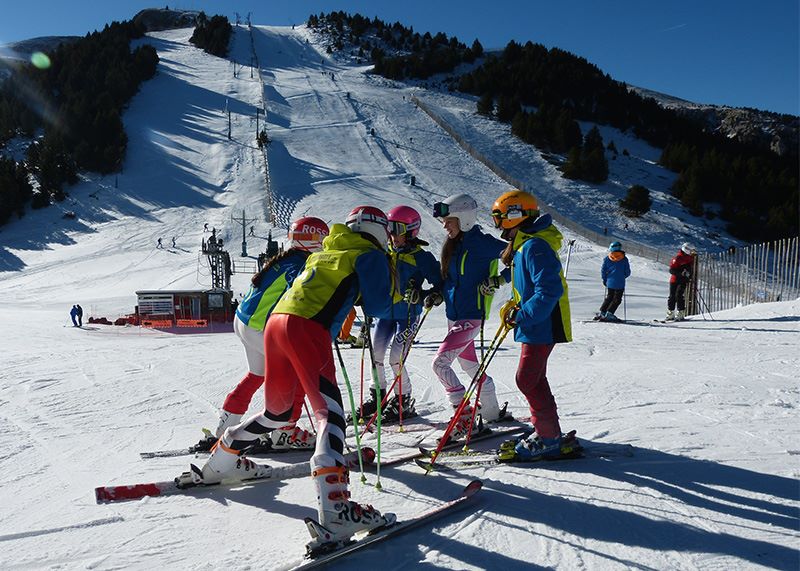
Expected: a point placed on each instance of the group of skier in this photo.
(616, 269)
(297, 303)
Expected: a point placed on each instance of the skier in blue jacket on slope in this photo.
(616, 269)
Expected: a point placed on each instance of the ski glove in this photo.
(412, 293)
(508, 313)
(433, 299)
(490, 284)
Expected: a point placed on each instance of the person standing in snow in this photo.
(469, 264)
(616, 269)
(352, 267)
(73, 313)
(159, 245)
(173, 242)
(266, 288)
(538, 312)
(680, 270)
(79, 315)
(413, 266)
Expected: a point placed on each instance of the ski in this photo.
(324, 558)
(484, 434)
(183, 484)
(256, 450)
(455, 460)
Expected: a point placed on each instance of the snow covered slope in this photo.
(710, 406)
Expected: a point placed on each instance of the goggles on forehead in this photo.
(368, 217)
(400, 228)
(441, 210)
(513, 212)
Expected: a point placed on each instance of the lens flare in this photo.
(40, 60)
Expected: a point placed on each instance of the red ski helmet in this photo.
(370, 220)
(307, 234)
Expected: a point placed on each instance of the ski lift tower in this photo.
(220, 263)
(244, 221)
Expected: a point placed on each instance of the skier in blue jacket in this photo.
(413, 266)
(470, 276)
(539, 314)
(616, 269)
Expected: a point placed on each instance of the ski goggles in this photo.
(441, 210)
(368, 217)
(513, 212)
(400, 228)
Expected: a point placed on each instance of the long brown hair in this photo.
(259, 275)
(448, 248)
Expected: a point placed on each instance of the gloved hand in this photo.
(412, 295)
(508, 313)
(432, 299)
(490, 284)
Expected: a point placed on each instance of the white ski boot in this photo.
(681, 315)
(339, 517)
(670, 315)
(489, 407)
(225, 464)
(226, 419)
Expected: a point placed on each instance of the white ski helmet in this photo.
(461, 206)
(370, 220)
(687, 248)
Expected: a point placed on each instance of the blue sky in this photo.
(734, 52)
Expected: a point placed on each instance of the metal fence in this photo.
(631, 247)
(753, 274)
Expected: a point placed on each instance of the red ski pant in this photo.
(532, 381)
(299, 360)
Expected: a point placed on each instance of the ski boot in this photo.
(461, 428)
(367, 409)
(533, 448)
(670, 315)
(598, 316)
(339, 517)
(610, 317)
(392, 411)
(681, 315)
(226, 464)
(292, 437)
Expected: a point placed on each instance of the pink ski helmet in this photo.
(307, 234)
(404, 220)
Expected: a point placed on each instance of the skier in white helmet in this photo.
(470, 276)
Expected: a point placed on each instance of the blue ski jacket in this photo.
(615, 270)
(409, 264)
(474, 259)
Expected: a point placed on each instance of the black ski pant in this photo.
(677, 293)
(612, 300)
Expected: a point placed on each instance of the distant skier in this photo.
(159, 245)
(205, 227)
(73, 313)
(539, 313)
(616, 269)
(173, 242)
(252, 231)
(267, 287)
(352, 266)
(680, 269)
(80, 315)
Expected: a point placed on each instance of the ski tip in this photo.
(472, 488)
(425, 465)
(368, 455)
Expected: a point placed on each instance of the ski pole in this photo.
(397, 377)
(361, 403)
(352, 409)
(502, 331)
(377, 384)
(624, 306)
(569, 254)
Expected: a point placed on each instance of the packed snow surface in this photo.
(709, 405)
